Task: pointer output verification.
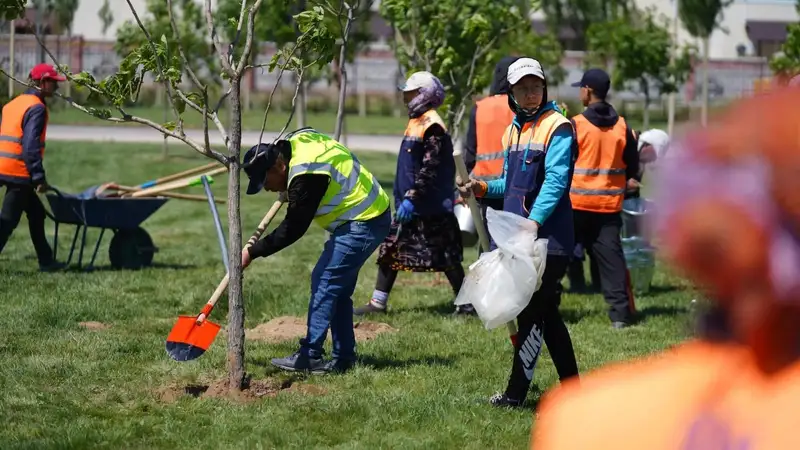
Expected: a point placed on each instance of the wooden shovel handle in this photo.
(179, 175)
(480, 227)
(176, 184)
(259, 231)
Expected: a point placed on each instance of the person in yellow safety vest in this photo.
(325, 183)
(728, 218)
(607, 165)
(22, 140)
(483, 152)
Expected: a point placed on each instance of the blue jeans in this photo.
(333, 282)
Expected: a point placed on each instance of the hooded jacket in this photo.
(499, 87)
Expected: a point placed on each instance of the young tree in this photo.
(168, 67)
(579, 15)
(787, 61)
(701, 18)
(106, 16)
(640, 50)
(459, 41)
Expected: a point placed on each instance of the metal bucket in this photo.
(640, 259)
(469, 235)
(634, 211)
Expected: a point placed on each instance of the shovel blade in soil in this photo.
(188, 340)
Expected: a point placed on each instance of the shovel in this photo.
(192, 335)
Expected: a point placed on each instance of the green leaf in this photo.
(170, 125)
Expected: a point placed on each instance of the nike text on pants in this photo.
(541, 322)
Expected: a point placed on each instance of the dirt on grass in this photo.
(287, 328)
(253, 390)
(94, 325)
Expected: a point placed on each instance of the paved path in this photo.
(132, 133)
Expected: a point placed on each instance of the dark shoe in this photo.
(369, 308)
(502, 401)
(620, 325)
(300, 363)
(465, 310)
(339, 366)
(54, 266)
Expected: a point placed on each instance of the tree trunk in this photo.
(236, 371)
(704, 107)
(646, 112)
(337, 133)
(300, 106)
(68, 86)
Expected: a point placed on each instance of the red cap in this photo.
(46, 71)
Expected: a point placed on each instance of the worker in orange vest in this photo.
(489, 119)
(728, 217)
(22, 142)
(607, 165)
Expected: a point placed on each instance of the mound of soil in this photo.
(94, 325)
(253, 390)
(287, 328)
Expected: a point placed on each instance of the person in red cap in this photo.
(22, 138)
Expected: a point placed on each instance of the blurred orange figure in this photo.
(728, 215)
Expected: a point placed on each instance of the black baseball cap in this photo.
(597, 80)
(257, 161)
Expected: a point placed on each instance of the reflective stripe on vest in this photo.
(598, 183)
(353, 194)
(492, 117)
(12, 163)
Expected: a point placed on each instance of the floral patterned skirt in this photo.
(424, 244)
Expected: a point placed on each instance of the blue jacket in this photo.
(547, 188)
(33, 123)
(426, 173)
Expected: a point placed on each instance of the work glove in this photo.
(472, 186)
(404, 212)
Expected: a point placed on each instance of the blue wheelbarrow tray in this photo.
(130, 248)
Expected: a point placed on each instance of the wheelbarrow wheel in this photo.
(131, 249)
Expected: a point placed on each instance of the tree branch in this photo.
(248, 43)
(294, 99)
(189, 70)
(207, 151)
(212, 31)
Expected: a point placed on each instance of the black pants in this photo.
(541, 322)
(21, 198)
(387, 277)
(600, 234)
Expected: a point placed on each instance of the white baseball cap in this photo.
(524, 67)
(418, 80)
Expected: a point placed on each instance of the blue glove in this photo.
(405, 211)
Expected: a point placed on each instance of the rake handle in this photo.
(480, 227)
(253, 239)
(178, 175)
(184, 182)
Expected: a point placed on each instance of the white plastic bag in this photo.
(500, 284)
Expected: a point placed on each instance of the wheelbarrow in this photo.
(130, 248)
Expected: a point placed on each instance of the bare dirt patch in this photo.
(253, 390)
(94, 325)
(287, 328)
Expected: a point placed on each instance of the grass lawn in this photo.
(325, 122)
(424, 386)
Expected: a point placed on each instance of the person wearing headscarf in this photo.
(728, 217)
(540, 154)
(653, 145)
(425, 234)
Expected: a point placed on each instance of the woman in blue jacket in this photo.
(540, 154)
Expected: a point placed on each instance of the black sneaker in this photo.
(339, 366)
(369, 308)
(503, 401)
(465, 310)
(300, 363)
(54, 266)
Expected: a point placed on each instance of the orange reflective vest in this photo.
(12, 164)
(492, 117)
(598, 184)
(700, 395)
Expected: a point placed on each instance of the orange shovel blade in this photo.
(188, 340)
